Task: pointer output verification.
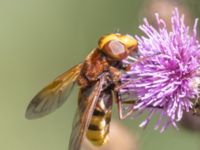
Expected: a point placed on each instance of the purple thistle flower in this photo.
(165, 76)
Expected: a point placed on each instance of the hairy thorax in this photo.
(94, 66)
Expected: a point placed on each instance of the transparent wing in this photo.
(53, 95)
(88, 98)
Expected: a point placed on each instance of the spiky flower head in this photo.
(165, 76)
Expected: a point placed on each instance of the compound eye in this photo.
(115, 49)
(130, 42)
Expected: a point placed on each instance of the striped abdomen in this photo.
(98, 129)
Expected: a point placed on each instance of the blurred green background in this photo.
(39, 39)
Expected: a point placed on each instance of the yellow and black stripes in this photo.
(98, 129)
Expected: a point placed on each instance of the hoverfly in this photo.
(98, 76)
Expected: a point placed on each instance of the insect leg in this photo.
(119, 105)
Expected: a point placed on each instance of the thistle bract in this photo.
(165, 76)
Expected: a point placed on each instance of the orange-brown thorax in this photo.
(95, 65)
